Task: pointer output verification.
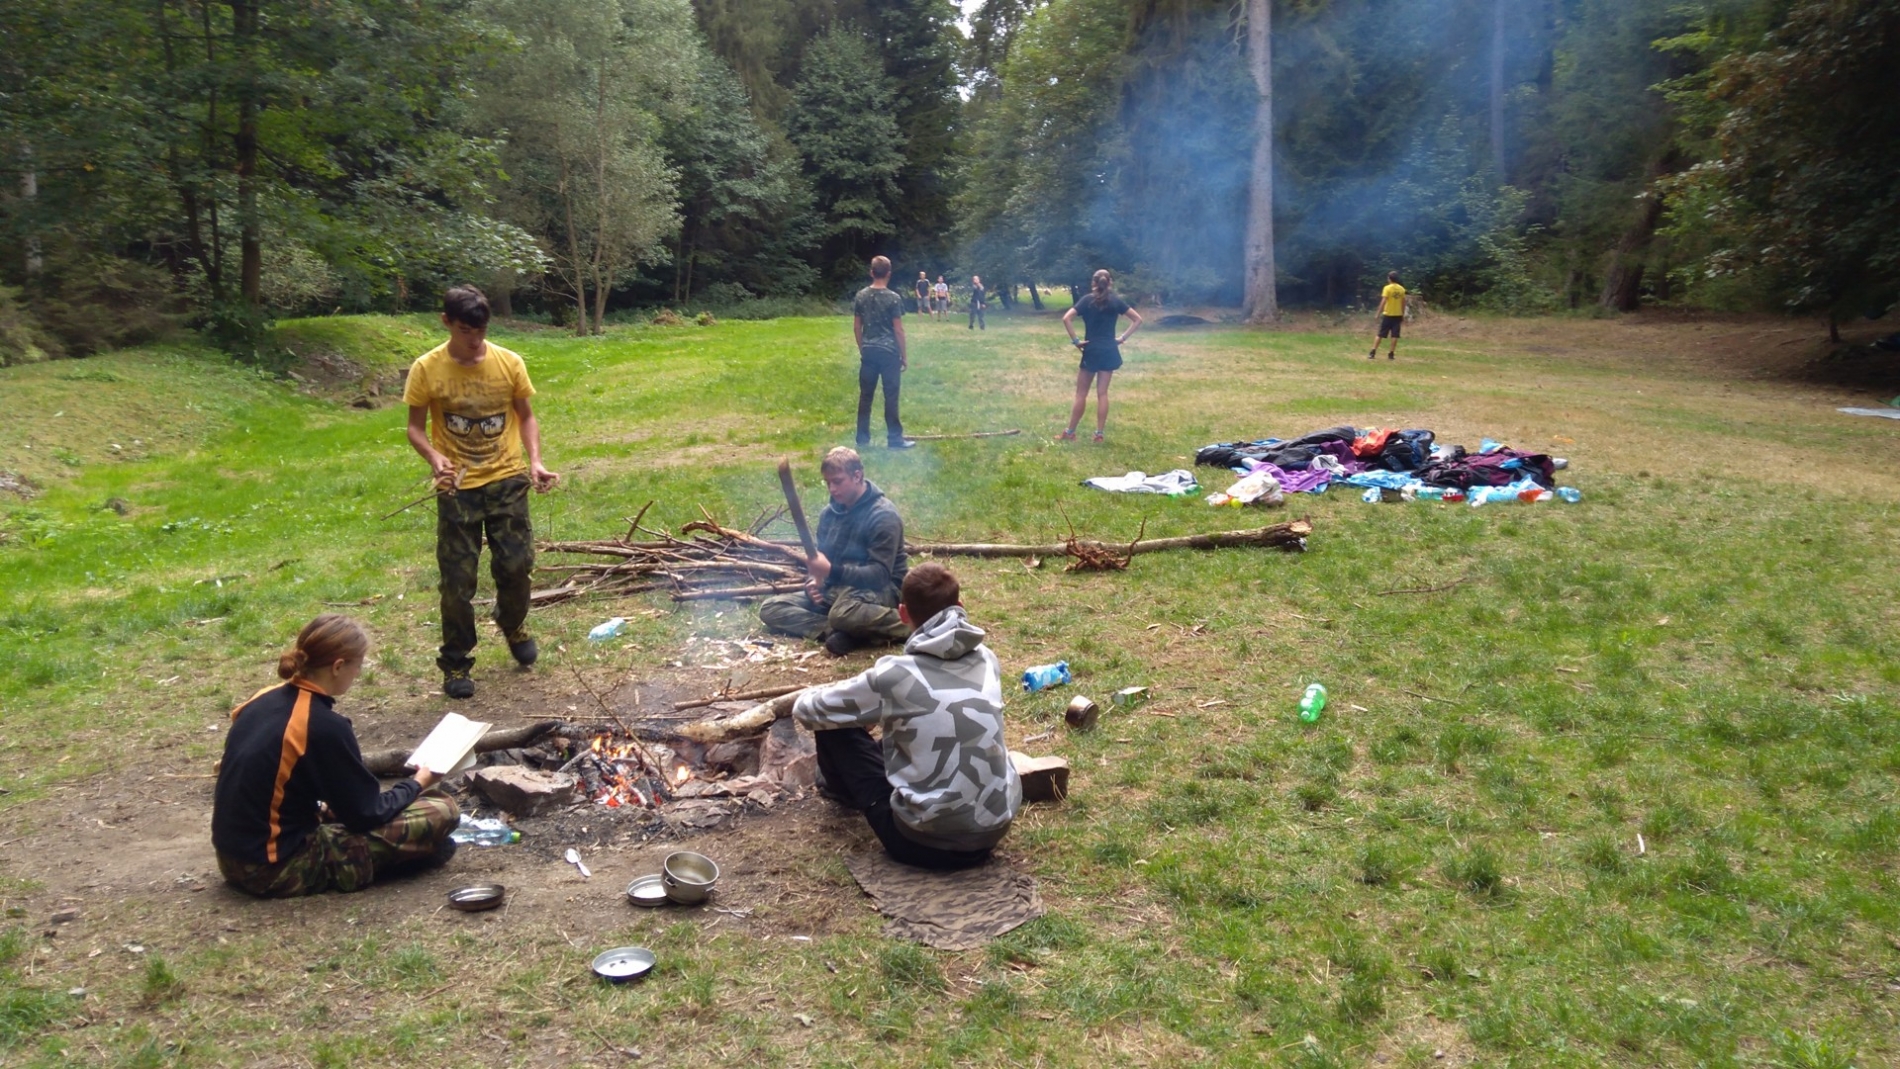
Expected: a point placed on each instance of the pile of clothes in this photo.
(1391, 465)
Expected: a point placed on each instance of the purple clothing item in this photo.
(1310, 481)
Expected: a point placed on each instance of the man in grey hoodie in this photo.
(939, 790)
(850, 597)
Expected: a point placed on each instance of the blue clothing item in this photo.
(1389, 480)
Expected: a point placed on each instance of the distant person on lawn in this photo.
(923, 293)
(979, 300)
(1101, 348)
(1392, 303)
(850, 596)
(470, 420)
(942, 290)
(938, 788)
(289, 755)
(877, 323)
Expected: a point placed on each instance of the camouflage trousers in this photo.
(337, 859)
(858, 613)
(498, 510)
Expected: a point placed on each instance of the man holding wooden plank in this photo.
(857, 566)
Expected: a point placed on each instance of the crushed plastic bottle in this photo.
(1371, 496)
(1489, 445)
(484, 831)
(1044, 676)
(1312, 702)
(1569, 495)
(611, 628)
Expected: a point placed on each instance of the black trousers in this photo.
(875, 365)
(852, 763)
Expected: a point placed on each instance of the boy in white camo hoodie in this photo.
(939, 790)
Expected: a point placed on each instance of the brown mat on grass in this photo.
(947, 910)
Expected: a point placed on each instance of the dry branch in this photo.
(1290, 536)
(739, 725)
(971, 434)
(741, 696)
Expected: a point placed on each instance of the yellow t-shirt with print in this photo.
(1394, 296)
(472, 417)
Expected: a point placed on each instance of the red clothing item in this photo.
(1370, 443)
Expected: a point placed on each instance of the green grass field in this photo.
(1703, 653)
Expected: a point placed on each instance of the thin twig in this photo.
(450, 492)
(1427, 697)
(971, 434)
(633, 525)
(1427, 589)
(742, 696)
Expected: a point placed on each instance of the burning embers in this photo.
(616, 771)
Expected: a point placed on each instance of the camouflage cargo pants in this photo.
(498, 510)
(858, 613)
(336, 859)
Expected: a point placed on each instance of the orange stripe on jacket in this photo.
(296, 741)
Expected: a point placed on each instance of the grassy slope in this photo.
(1699, 653)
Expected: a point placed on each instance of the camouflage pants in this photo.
(858, 613)
(498, 510)
(336, 859)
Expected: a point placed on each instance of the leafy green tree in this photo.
(1802, 186)
(844, 125)
(581, 107)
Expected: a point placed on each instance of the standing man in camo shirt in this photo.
(877, 322)
(938, 787)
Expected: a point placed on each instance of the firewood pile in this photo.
(710, 561)
(706, 561)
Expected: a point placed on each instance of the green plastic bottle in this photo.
(1312, 702)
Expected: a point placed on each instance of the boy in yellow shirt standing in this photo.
(470, 419)
(1392, 302)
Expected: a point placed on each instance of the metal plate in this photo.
(479, 897)
(623, 963)
(647, 891)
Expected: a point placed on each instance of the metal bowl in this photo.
(688, 877)
(622, 964)
(647, 891)
(476, 898)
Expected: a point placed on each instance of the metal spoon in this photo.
(574, 859)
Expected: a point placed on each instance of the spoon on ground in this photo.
(574, 859)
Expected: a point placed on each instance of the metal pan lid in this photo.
(477, 897)
(623, 963)
(648, 890)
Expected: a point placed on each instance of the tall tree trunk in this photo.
(30, 192)
(1497, 92)
(1262, 303)
(250, 226)
(1622, 283)
(214, 262)
(1035, 298)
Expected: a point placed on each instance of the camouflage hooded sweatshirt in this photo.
(940, 705)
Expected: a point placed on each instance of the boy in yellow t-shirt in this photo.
(470, 419)
(1392, 302)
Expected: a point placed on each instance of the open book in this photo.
(450, 748)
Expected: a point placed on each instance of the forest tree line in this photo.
(223, 163)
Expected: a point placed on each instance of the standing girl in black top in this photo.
(1101, 349)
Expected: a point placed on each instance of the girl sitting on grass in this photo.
(289, 753)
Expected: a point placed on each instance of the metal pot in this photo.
(688, 877)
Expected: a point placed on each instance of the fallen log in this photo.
(739, 725)
(1289, 536)
(395, 762)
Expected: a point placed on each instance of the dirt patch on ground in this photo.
(18, 485)
(337, 377)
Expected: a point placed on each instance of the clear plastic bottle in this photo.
(1312, 702)
(611, 628)
(1569, 495)
(1044, 676)
(484, 831)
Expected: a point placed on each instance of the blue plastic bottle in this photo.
(608, 630)
(1044, 676)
